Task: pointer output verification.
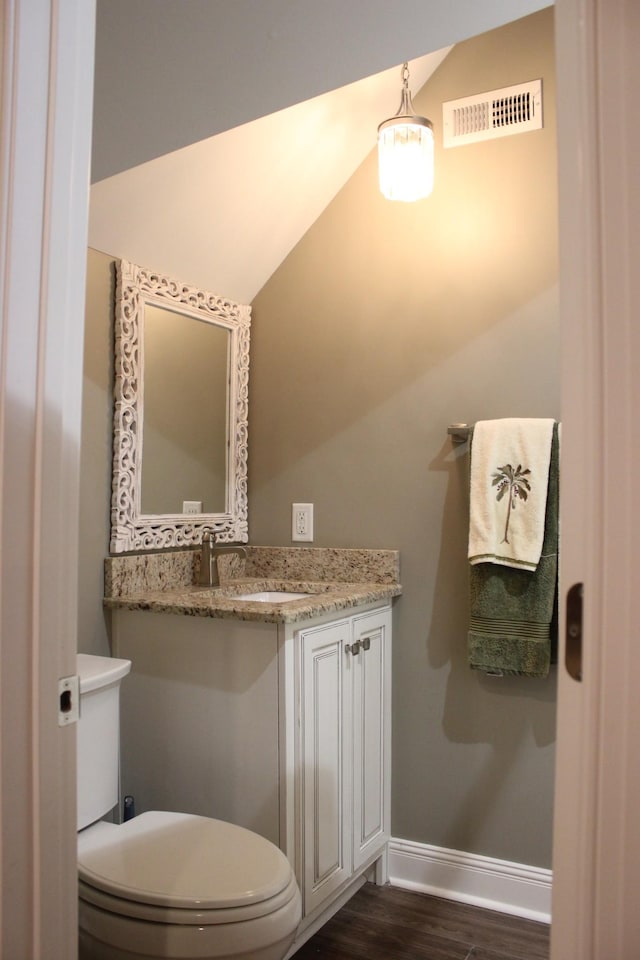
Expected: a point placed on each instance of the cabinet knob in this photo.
(352, 648)
(366, 643)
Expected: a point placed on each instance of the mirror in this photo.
(185, 427)
(180, 413)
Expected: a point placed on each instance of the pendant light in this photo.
(405, 151)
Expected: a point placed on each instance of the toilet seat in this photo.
(167, 915)
(185, 869)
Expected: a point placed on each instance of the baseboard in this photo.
(495, 884)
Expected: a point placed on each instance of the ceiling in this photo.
(216, 143)
(223, 213)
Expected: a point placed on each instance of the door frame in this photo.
(44, 161)
(45, 132)
(596, 832)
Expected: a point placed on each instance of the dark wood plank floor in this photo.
(386, 923)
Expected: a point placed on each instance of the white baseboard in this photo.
(495, 884)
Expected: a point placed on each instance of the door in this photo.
(46, 62)
(596, 831)
(371, 692)
(326, 768)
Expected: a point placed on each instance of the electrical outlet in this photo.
(192, 506)
(302, 521)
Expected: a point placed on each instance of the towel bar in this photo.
(459, 432)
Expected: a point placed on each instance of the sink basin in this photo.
(272, 596)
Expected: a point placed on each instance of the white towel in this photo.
(508, 496)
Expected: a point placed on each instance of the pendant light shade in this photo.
(405, 151)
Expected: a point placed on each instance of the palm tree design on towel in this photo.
(515, 484)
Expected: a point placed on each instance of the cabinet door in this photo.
(325, 773)
(371, 733)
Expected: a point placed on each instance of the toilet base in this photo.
(106, 936)
(90, 949)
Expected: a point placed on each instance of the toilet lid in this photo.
(183, 861)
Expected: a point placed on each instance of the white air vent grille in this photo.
(498, 113)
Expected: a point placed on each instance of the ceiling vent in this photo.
(498, 113)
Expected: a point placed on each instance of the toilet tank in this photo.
(98, 732)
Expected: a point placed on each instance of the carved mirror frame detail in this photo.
(131, 530)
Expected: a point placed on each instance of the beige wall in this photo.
(386, 323)
(95, 453)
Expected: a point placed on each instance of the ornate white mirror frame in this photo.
(130, 528)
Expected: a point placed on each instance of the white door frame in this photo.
(45, 133)
(596, 828)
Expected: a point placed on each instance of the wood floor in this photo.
(386, 923)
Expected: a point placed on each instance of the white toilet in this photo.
(167, 885)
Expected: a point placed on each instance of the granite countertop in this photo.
(222, 602)
(336, 579)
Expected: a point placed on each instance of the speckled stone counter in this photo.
(336, 579)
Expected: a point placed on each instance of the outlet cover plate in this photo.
(302, 522)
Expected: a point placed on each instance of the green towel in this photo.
(512, 624)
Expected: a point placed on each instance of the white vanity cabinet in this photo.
(282, 728)
(344, 751)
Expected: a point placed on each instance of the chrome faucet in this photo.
(208, 576)
(209, 553)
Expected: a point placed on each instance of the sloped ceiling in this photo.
(223, 213)
(216, 144)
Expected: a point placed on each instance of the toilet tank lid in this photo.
(96, 672)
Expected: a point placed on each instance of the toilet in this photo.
(162, 884)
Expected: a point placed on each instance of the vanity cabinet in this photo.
(344, 750)
(282, 728)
